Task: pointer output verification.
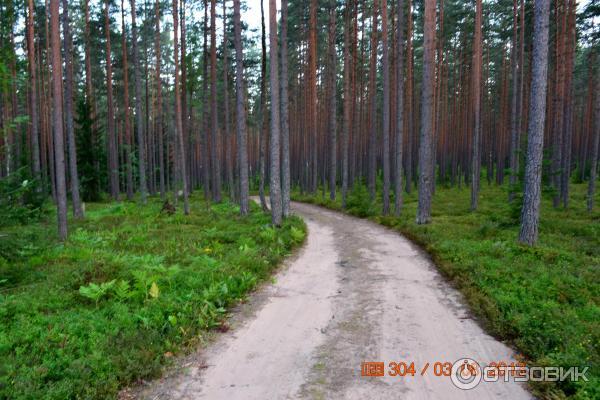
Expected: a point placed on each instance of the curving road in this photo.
(356, 292)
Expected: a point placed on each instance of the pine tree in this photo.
(285, 125)
(332, 67)
(57, 121)
(113, 161)
(274, 183)
(348, 100)
(530, 212)
(139, 126)
(240, 110)
(126, 109)
(372, 166)
(386, 108)
(262, 150)
(215, 161)
(399, 107)
(33, 95)
(158, 110)
(514, 128)
(425, 145)
(226, 129)
(68, 101)
(595, 143)
(476, 84)
(178, 122)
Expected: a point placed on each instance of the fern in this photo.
(122, 290)
(96, 292)
(268, 234)
(297, 234)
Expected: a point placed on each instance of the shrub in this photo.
(21, 198)
(359, 201)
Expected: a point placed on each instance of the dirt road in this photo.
(356, 292)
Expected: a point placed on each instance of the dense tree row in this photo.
(135, 97)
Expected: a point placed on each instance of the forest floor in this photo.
(356, 292)
(129, 290)
(543, 300)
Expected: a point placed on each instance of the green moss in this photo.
(65, 335)
(544, 299)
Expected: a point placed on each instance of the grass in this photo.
(130, 288)
(543, 299)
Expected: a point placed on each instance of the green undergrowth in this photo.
(543, 299)
(129, 288)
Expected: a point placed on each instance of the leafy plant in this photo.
(297, 234)
(122, 290)
(96, 292)
(154, 292)
(21, 198)
(268, 234)
(359, 201)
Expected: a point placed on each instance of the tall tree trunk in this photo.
(139, 126)
(47, 160)
(159, 110)
(89, 91)
(242, 152)
(537, 113)
(332, 103)
(126, 109)
(68, 93)
(88, 61)
(285, 125)
(185, 114)
(46, 90)
(274, 181)
(263, 113)
(205, 135)
(520, 104)
(226, 129)
(595, 140)
(148, 97)
(178, 122)
(113, 162)
(425, 154)
(514, 128)
(348, 99)
(33, 95)
(571, 43)
(438, 101)
(386, 108)
(559, 99)
(476, 83)
(399, 106)
(215, 164)
(372, 169)
(57, 121)
(15, 142)
(356, 113)
(409, 100)
(312, 96)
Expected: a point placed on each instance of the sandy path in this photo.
(356, 292)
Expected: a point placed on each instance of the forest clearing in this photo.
(442, 157)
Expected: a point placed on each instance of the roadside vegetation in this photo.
(543, 299)
(130, 288)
